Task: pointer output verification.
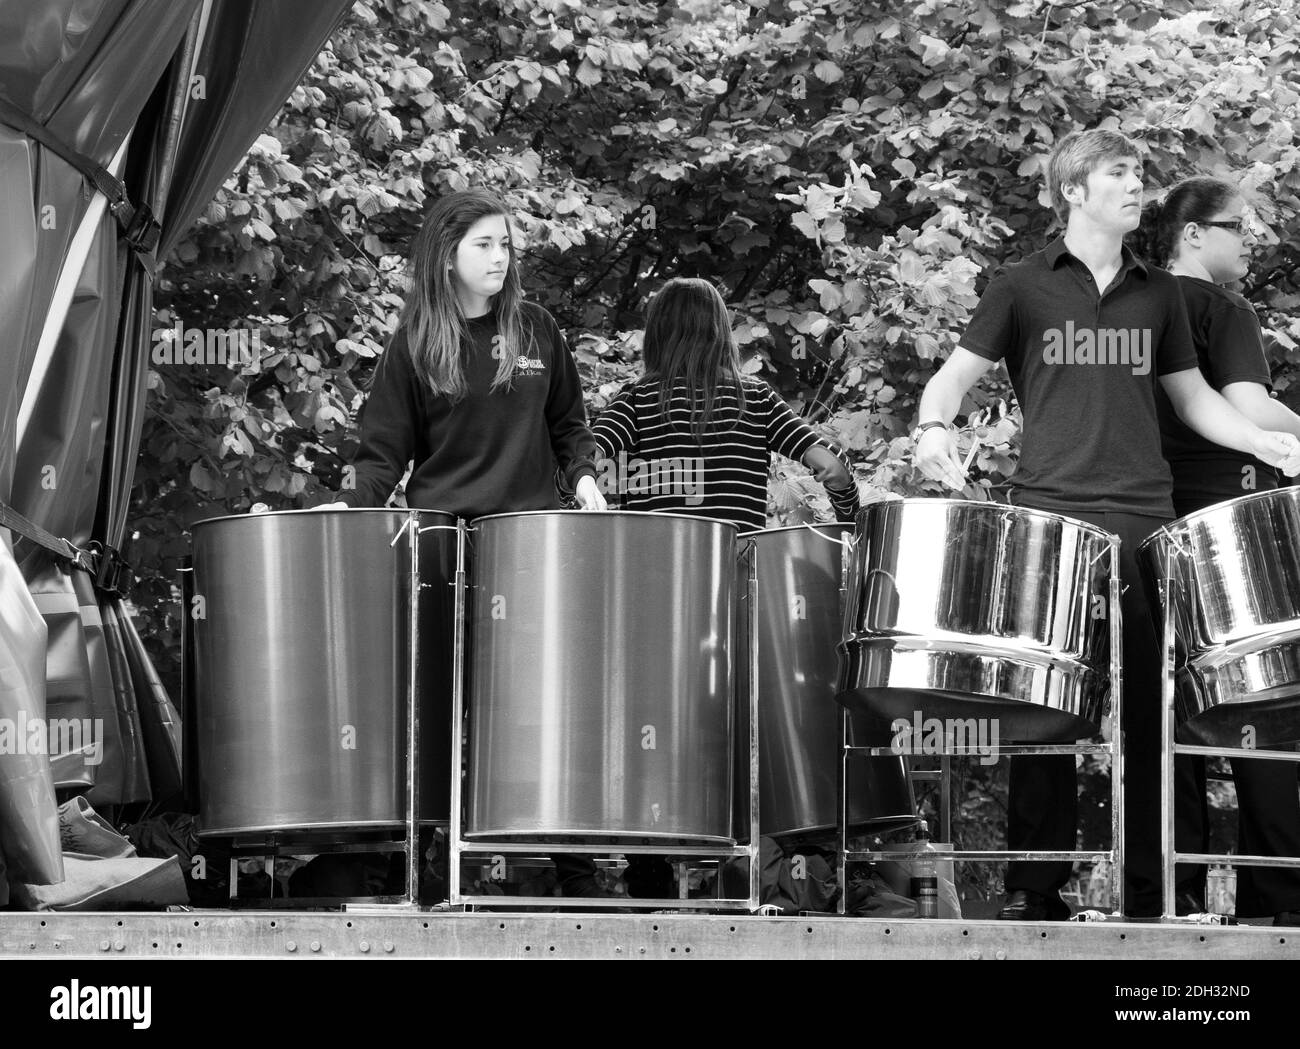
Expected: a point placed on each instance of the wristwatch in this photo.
(916, 434)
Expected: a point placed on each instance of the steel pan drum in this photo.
(965, 609)
(1236, 609)
(799, 599)
(301, 668)
(601, 693)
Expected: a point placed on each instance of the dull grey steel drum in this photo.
(799, 609)
(966, 609)
(300, 662)
(1236, 609)
(601, 689)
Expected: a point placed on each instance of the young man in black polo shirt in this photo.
(1086, 329)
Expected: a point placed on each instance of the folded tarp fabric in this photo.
(29, 825)
(103, 870)
(96, 883)
(68, 693)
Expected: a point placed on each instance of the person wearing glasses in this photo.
(1202, 233)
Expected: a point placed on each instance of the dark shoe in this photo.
(1025, 906)
(1287, 918)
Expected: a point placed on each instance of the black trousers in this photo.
(1268, 824)
(1043, 790)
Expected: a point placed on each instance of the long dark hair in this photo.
(688, 343)
(1191, 200)
(436, 325)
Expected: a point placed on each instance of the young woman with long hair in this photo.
(477, 388)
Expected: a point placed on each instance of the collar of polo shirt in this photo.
(1057, 250)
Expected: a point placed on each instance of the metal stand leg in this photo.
(454, 843)
(945, 797)
(842, 814)
(1117, 885)
(842, 762)
(412, 898)
(751, 626)
(1168, 908)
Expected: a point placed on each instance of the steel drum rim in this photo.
(1029, 511)
(1229, 505)
(640, 515)
(349, 827)
(320, 513)
(951, 643)
(811, 526)
(604, 839)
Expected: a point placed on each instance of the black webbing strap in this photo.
(111, 574)
(137, 223)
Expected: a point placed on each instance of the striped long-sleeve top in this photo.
(653, 461)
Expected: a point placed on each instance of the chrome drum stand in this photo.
(1113, 856)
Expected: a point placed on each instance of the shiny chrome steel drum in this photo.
(982, 610)
(301, 642)
(1236, 606)
(798, 603)
(601, 696)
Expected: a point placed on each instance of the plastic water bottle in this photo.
(925, 878)
(1221, 889)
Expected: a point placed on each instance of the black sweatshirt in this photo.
(491, 452)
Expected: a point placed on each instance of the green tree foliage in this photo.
(847, 171)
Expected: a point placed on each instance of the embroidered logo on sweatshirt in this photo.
(529, 365)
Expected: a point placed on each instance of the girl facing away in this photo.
(694, 435)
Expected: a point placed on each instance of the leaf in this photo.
(806, 224)
(829, 293)
(828, 72)
(933, 51)
(910, 267)
(201, 479)
(588, 74)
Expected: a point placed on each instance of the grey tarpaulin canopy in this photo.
(160, 98)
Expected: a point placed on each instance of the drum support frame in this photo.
(458, 848)
(1114, 856)
(410, 844)
(1169, 856)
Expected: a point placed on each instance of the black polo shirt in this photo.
(1229, 348)
(1084, 366)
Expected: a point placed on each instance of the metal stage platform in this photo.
(507, 935)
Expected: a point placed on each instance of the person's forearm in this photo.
(1215, 419)
(1274, 415)
(940, 400)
